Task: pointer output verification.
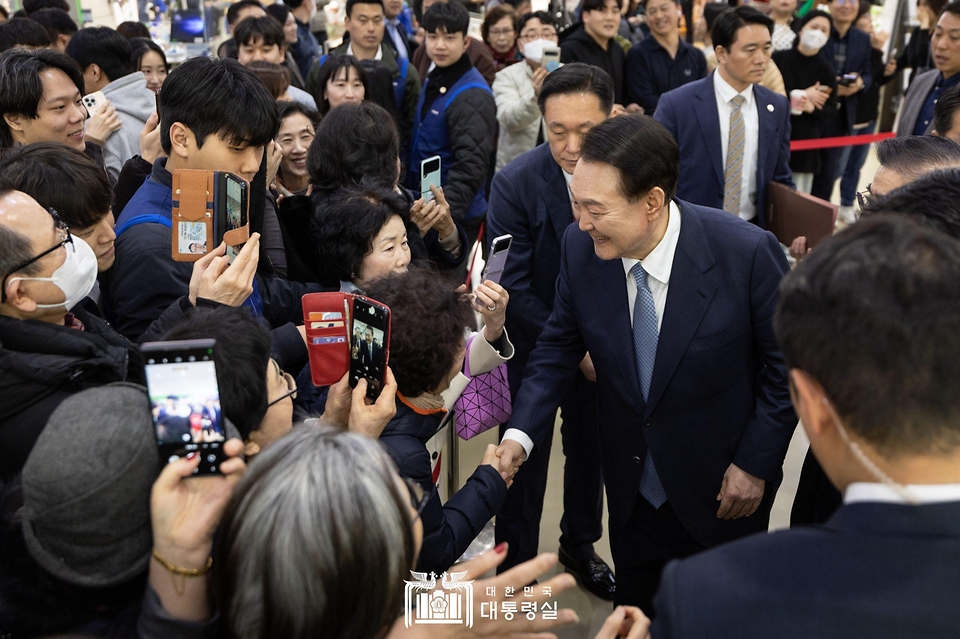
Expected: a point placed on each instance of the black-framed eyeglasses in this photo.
(418, 496)
(65, 238)
(863, 197)
(291, 389)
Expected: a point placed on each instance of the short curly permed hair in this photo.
(428, 321)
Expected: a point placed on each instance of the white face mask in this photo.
(813, 39)
(75, 277)
(533, 51)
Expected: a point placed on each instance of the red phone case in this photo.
(328, 343)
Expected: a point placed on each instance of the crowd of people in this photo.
(643, 296)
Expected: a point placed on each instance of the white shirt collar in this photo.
(568, 177)
(378, 56)
(727, 92)
(924, 493)
(659, 262)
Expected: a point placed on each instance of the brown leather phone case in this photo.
(192, 218)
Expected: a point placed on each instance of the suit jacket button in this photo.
(636, 459)
(648, 422)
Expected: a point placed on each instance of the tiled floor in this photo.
(592, 610)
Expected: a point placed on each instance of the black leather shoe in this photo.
(591, 571)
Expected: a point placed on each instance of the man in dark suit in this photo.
(530, 200)
(849, 52)
(856, 314)
(674, 302)
(917, 111)
(728, 123)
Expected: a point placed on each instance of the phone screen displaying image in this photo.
(185, 404)
(236, 216)
(369, 346)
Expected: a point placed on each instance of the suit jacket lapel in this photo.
(611, 296)
(709, 119)
(688, 297)
(766, 136)
(555, 197)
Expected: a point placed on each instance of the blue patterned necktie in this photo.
(645, 337)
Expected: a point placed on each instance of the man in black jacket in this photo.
(456, 118)
(593, 41)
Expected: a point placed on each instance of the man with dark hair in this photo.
(530, 200)
(59, 25)
(104, 57)
(663, 61)
(674, 302)
(456, 118)
(921, 99)
(867, 325)
(945, 115)
(307, 48)
(739, 129)
(23, 32)
(214, 115)
(903, 161)
(931, 200)
(238, 12)
(40, 95)
(593, 41)
(30, 6)
(480, 54)
(262, 39)
(364, 22)
(849, 52)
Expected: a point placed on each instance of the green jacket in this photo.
(411, 93)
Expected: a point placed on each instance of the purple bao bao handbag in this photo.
(485, 403)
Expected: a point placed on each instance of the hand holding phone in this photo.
(185, 402)
(551, 59)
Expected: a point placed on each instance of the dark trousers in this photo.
(817, 499)
(641, 548)
(581, 526)
(824, 180)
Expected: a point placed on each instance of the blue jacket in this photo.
(719, 389)
(874, 570)
(529, 200)
(690, 114)
(456, 138)
(448, 529)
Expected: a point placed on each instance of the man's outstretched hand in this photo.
(511, 455)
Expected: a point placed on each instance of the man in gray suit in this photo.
(918, 105)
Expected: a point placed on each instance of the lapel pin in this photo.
(444, 90)
(770, 108)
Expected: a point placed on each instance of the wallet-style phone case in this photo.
(326, 317)
(193, 216)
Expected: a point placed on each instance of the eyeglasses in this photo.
(863, 197)
(497, 33)
(65, 238)
(848, 2)
(530, 36)
(418, 497)
(291, 389)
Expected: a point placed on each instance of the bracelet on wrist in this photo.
(181, 571)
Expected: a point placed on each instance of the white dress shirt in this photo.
(658, 265)
(858, 492)
(751, 123)
(378, 56)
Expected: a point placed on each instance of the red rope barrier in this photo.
(832, 143)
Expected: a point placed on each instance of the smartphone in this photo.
(551, 59)
(369, 345)
(429, 176)
(230, 204)
(94, 102)
(185, 401)
(848, 79)
(498, 258)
